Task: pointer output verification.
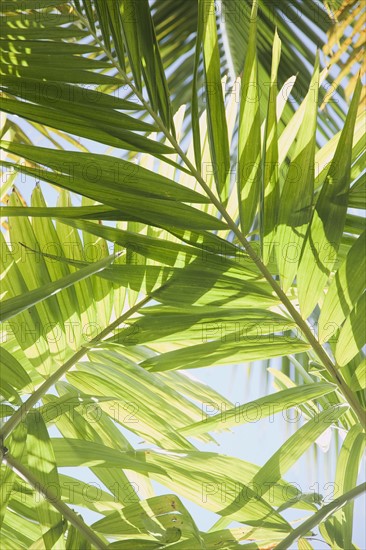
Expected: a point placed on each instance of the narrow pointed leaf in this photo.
(261, 408)
(288, 454)
(115, 135)
(75, 452)
(216, 118)
(326, 227)
(218, 352)
(348, 465)
(131, 37)
(345, 289)
(359, 377)
(297, 193)
(353, 333)
(270, 183)
(249, 140)
(116, 173)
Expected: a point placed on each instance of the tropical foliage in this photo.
(193, 203)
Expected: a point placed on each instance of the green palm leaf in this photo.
(153, 243)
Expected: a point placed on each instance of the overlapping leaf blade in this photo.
(345, 289)
(297, 193)
(217, 125)
(270, 182)
(326, 227)
(249, 140)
